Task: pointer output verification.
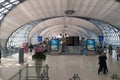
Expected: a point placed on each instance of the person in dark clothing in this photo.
(97, 49)
(0, 55)
(105, 66)
(31, 47)
(110, 49)
(102, 63)
(118, 53)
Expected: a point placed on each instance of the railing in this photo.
(41, 73)
(115, 77)
(32, 73)
(75, 77)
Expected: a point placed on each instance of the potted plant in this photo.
(39, 53)
(39, 57)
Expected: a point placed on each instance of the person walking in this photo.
(102, 63)
(105, 69)
(118, 53)
(84, 51)
(31, 47)
(110, 49)
(97, 49)
(0, 55)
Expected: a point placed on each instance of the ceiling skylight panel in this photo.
(2, 9)
(115, 29)
(2, 1)
(13, 0)
(6, 3)
(8, 6)
(1, 16)
(16, 2)
(5, 11)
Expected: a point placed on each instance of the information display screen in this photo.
(76, 40)
(54, 44)
(90, 43)
(72, 40)
(69, 41)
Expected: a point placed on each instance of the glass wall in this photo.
(20, 36)
(110, 33)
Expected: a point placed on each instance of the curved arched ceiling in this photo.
(64, 30)
(69, 21)
(30, 10)
(71, 32)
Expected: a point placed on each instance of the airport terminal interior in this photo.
(59, 39)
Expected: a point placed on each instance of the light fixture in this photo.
(69, 12)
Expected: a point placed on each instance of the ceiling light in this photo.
(69, 12)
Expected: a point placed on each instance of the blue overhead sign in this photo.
(101, 39)
(39, 38)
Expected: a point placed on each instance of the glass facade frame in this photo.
(111, 34)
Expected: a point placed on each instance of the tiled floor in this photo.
(63, 67)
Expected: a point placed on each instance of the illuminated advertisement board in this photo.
(90, 43)
(54, 44)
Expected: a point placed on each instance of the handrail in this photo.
(32, 72)
(43, 74)
(14, 76)
(18, 72)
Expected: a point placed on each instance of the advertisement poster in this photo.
(54, 44)
(90, 43)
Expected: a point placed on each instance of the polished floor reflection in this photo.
(63, 67)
